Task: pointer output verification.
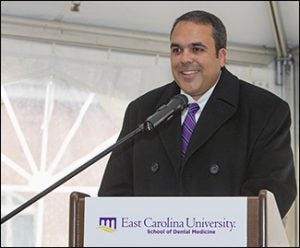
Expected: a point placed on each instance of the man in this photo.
(241, 141)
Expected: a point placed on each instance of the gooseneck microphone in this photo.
(166, 111)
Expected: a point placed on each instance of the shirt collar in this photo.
(204, 98)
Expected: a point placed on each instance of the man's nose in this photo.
(186, 57)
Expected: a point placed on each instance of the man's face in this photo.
(194, 60)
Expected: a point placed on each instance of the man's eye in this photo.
(197, 49)
(176, 50)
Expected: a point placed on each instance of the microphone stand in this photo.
(73, 173)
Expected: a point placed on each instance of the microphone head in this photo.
(183, 101)
(166, 112)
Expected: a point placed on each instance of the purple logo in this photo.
(108, 224)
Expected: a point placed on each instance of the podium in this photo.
(264, 227)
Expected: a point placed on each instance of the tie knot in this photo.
(193, 108)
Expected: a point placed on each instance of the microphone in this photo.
(166, 111)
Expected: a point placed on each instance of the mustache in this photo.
(188, 67)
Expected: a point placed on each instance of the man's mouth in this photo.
(187, 73)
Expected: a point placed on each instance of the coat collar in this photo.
(220, 107)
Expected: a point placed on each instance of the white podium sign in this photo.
(165, 221)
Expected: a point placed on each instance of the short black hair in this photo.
(203, 17)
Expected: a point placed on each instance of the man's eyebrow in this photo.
(198, 44)
(192, 44)
(174, 45)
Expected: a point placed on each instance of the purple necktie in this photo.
(188, 127)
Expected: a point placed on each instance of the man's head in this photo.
(198, 51)
(202, 17)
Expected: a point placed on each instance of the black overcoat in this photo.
(241, 144)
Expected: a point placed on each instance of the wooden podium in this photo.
(264, 225)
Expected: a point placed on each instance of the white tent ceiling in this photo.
(247, 22)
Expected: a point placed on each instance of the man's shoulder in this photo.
(250, 96)
(258, 94)
(250, 90)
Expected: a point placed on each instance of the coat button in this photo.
(154, 167)
(214, 169)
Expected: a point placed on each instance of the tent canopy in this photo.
(247, 22)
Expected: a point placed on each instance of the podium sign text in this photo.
(165, 221)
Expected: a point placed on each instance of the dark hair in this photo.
(199, 16)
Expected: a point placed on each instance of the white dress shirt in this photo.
(201, 102)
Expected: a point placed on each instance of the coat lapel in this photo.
(220, 107)
(170, 131)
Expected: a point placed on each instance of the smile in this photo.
(189, 72)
